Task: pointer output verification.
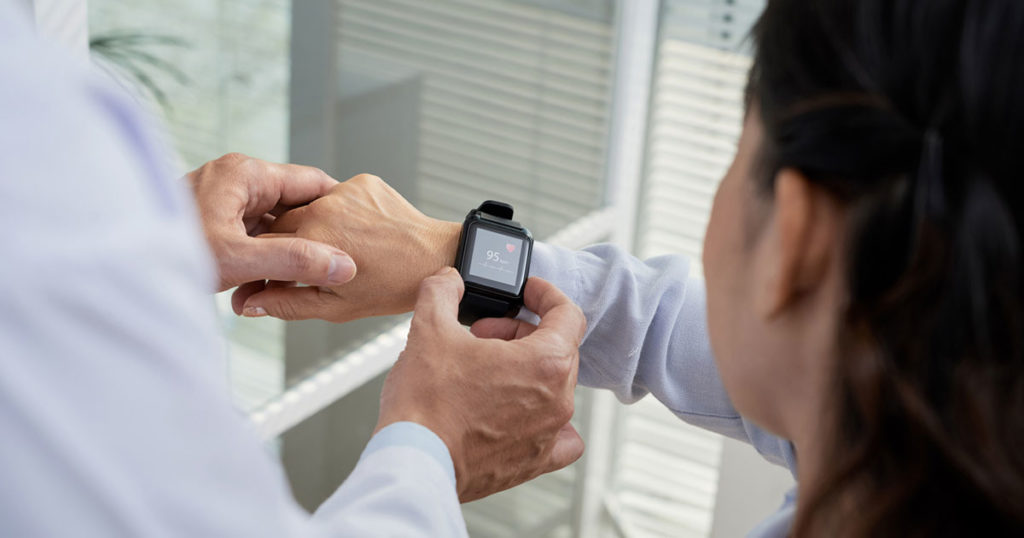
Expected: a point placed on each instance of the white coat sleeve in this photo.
(114, 411)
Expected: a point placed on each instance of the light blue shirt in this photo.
(647, 334)
(114, 413)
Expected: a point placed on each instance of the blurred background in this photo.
(599, 120)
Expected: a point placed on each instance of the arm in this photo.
(113, 407)
(646, 320)
(647, 333)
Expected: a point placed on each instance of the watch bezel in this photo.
(485, 286)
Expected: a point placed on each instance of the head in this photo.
(864, 260)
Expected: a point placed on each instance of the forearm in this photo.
(647, 333)
(646, 330)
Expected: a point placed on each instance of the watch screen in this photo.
(496, 257)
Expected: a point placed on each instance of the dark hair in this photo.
(911, 113)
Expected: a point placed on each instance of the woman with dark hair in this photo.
(879, 175)
(863, 261)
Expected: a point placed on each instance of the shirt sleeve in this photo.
(647, 333)
(403, 485)
(114, 407)
(413, 435)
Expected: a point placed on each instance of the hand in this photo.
(500, 398)
(238, 198)
(394, 245)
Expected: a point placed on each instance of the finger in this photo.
(557, 312)
(568, 447)
(290, 221)
(292, 259)
(437, 302)
(276, 284)
(281, 209)
(297, 185)
(243, 292)
(258, 225)
(289, 303)
(502, 328)
(245, 186)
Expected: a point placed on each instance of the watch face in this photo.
(495, 259)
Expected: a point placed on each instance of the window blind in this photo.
(697, 108)
(514, 103)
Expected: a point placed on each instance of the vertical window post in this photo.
(636, 30)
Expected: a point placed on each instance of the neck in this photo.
(809, 420)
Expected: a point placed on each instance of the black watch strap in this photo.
(474, 307)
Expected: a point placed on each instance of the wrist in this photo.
(446, 242)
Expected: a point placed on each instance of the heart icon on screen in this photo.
(510, 248)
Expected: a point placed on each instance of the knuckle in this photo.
(284, 310)
(233, 158)
(320, 206)
(300, 256)
(319, 172)
(430, 286)
(339, 190)
(555, 369)
(367, 179)
(565, 409)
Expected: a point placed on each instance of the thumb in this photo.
(292, 259)
(437, 303)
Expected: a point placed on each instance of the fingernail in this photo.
(444, 271)
(254, 312)
(342, 269)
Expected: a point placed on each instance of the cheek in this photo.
(745, 353)
(722, 257)
(728, 270)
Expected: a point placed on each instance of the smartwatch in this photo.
(494, 261)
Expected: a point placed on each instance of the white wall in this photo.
(749, 490)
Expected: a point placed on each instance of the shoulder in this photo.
(83, 176)
(69, 133)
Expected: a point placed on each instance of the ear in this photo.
(799, 249)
